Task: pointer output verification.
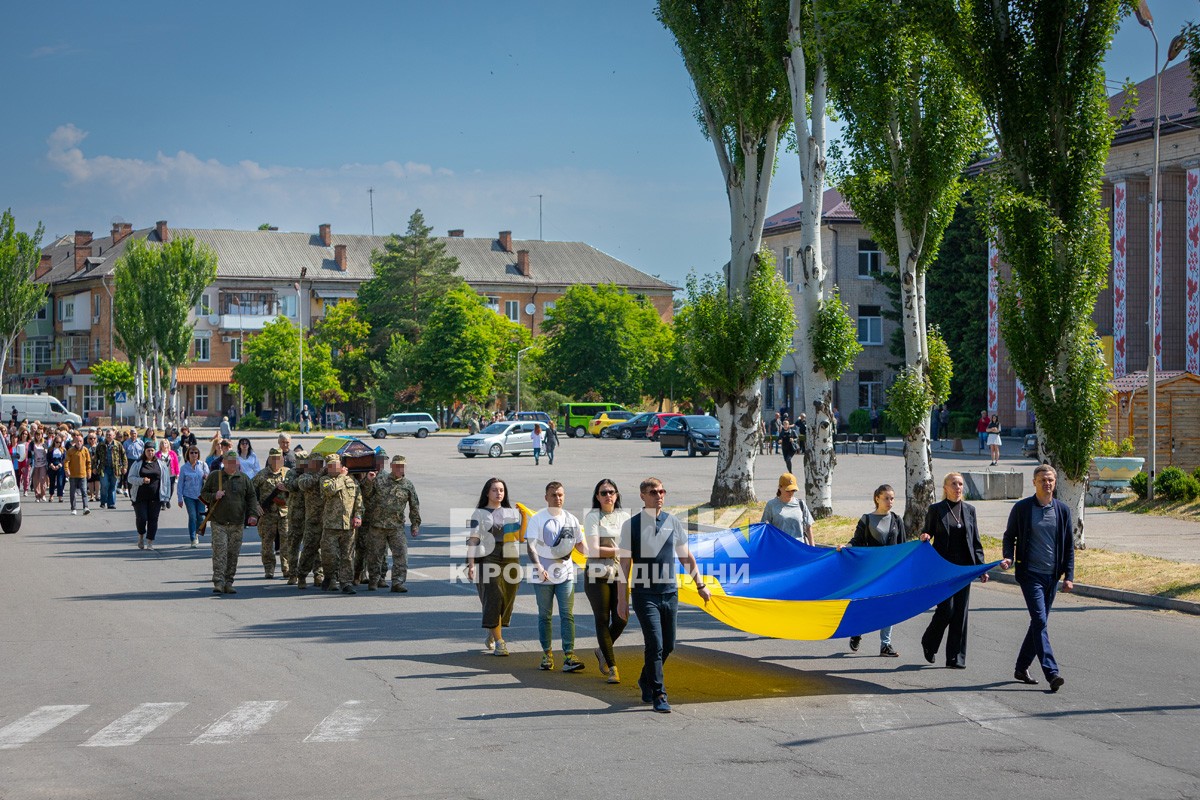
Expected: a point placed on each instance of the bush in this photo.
(1196, 474)
(1175, 484)
(860, 421)
(1138, 484)
(290, 427)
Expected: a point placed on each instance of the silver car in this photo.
(10, 496)
(499, 438)
(418, 425)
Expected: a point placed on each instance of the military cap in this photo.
(274, 451)
(300, 452)
(333, 458)
(230, 456)
(397, 459)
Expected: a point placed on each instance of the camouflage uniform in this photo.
(343, 504)
(386, 497)
(314, 506)
(358, 540)
(274, 521)
(226, 519)
(295, 526)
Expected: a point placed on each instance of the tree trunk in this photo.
(3, 361)
(174, 416)
(1073, 493)
(139, 391)
(819, 458)
(739, 419)
(918, 456)
(918, 479)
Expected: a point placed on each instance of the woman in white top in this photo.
(247, 460)
(993, 439)
(602, 527)
(787, 512)
(536, 438)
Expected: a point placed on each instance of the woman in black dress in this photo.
(952, 528)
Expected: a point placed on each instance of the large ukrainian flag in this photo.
(765, 582)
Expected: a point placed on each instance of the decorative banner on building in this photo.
(993, 334)
(1158, 364)
(1021, 396)
(1192, 328)
(1119, 268)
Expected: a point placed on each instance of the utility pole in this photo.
(371, 195)
(539, 197)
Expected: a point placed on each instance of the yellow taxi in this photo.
(606, 418)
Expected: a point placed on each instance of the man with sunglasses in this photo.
(650, 543)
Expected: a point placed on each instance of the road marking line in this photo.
(130, 728)
(34, 724)
(345, 724)
(241, 722)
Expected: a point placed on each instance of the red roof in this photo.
(204, 375)
(833, 208)
(1137, 380)
(1175, 102)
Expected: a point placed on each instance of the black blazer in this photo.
(863, 537)
(1020, 527)
(939, 526)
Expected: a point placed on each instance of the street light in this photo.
(300, 323)
(519, 354)
(1146, 19)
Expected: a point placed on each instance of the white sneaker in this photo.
(74, 513)
(490, 644)
(149, 544)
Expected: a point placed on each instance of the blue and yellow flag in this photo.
(765, 582)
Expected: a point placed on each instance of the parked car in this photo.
(693, 433)
(40, 407)
(606, 419)
(573, 418)
(10, 496)
(632, 428)
(418, 425)
(660, 419)
(1029, 447)
(499, 438)
(531, 416)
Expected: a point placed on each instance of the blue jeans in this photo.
(982, 441)
(195, 512)
(537, 454)
(108, 489)
(656, 614)
(1039, 590)
(550, 454)
(564, 593)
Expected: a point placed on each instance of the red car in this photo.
(656, 424)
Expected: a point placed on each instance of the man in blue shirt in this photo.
(650, 543)
(1040, 540)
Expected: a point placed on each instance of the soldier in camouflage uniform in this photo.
(269, 483)
(314, 506)
(232, 503)
(359, 543)
(342, 514)
(291, 554)
(386, 496)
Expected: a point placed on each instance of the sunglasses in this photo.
(606, 492)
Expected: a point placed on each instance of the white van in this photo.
(37, 407)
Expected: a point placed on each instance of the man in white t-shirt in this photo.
(551, 535)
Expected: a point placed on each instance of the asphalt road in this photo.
(123, 677)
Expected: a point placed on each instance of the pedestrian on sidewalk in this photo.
(536, 438)
(993, 439)
(981, 426)
(952, 527)
(553, 533)
(787, 443)
(879, 528)
(788, 512)
(550, 442)
(149, 486)
(603, 526)
(1039, 539)
(78, 469)
(773, 434)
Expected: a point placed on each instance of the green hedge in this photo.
(1175, 484)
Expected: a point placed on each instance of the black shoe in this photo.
(887, 650)
(1023, 676)
(955, 665)
(930, 655)
(325, 583)
(855, 641)
(399, 588)
(1056, 683)
(348, 589)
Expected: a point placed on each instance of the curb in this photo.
(1116, 595)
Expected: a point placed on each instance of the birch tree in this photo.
(20, 297)
(132, 276)
(188, 267)
(1039, 70)
(734, 53)
(911, 128)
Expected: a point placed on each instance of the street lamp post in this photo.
(1145, 18)
(300, 323)
(519, 354)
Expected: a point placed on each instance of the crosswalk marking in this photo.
(34, 724)
(130, 728)
(345, 724)
(240, 722)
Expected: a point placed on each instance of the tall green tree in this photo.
(188, 267)
(734, 51)
(112, 376)
(411, 273)
(272, 366)
(133, 307)
(602, 339)
(1039, 69)
(911, 127)
(348, 337)
(20, 297)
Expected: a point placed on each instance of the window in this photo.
(204, 306)
(93, 399)
(201, 399)
(512, 310)
(870, 325)
(43, 312)
(96, 347)
(235, 350)
(787, 265)
(66, 310)
(202, 348)
(870, 389)
(769, 391)
(287, 305)
(493, 304)
(547, 306)
(96, 307)
(870, 259)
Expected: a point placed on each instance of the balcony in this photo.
(245, 322)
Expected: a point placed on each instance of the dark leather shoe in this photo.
(955, 665)
(930, 655)
(855, 641)
(1023, 676)
(348, 589)
(325, 582)
(1056, 683)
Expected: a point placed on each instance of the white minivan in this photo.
(37, 407)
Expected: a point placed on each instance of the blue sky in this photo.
(228, 115)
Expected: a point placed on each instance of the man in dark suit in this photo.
(952, 528)
(1040, 538)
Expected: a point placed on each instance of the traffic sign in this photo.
(120, 397)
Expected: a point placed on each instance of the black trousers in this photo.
(145, 514)
(950, 619)
(602, 594)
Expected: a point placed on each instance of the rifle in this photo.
(207, 514)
